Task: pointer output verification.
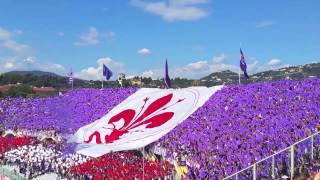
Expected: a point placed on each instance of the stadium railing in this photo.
(291, 150)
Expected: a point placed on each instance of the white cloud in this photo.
(93, 37)
(154, 73)
(5, 34)
(8, 65)
(274, 62)
(57, 67)
(21, 59)
(88, 38)
(263, 24)
(194, 70)
(29, 60)
(28, 64)
(219, 59)
(201, 68)
(48, 67)
(314, 61)
(200, 65)
(149, 73)
(95, 73)
(174, 10)
(17, 47)
(31, 63)
(144, 51)
(270, 65)
(6, 41)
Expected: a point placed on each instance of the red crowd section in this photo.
(122, 165)
(9, 143)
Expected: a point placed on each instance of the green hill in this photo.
(292, 72)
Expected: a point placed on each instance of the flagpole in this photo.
(143, 164)
(240, 67)
(239, 75)
(71, 78)
(102, 84)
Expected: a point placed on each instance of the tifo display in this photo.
(236, 127)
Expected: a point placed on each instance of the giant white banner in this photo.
(141, 119)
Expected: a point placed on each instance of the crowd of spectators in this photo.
(33, 160)
(238, 126)
(305, 167)
(123, 165)
(241, 124)
(65, 113)
(8, 143)
(40, 158)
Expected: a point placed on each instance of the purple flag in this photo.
(107, 72)
(243, 64)
(166, 79)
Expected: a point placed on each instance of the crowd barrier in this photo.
(292, 156)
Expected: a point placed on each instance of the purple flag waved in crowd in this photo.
(166, 79)
(107, 72)
(243, 64)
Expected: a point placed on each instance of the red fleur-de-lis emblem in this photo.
(153, 116)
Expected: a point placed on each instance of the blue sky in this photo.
(197, 36)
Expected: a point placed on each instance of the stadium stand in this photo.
(237, 127)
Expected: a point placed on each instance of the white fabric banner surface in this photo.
(144, 117)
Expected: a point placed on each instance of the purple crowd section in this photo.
(237, 126)
(65, 113)
(242, 124)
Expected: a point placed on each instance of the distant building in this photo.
(195, 83)
(44, 90)
(36, 90)
(136, 82)
(5, 88)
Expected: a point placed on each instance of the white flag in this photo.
(144, 117)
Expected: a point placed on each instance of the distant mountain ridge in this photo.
(34, 73)
(40, 79)
(47, 79)
(291, 72)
